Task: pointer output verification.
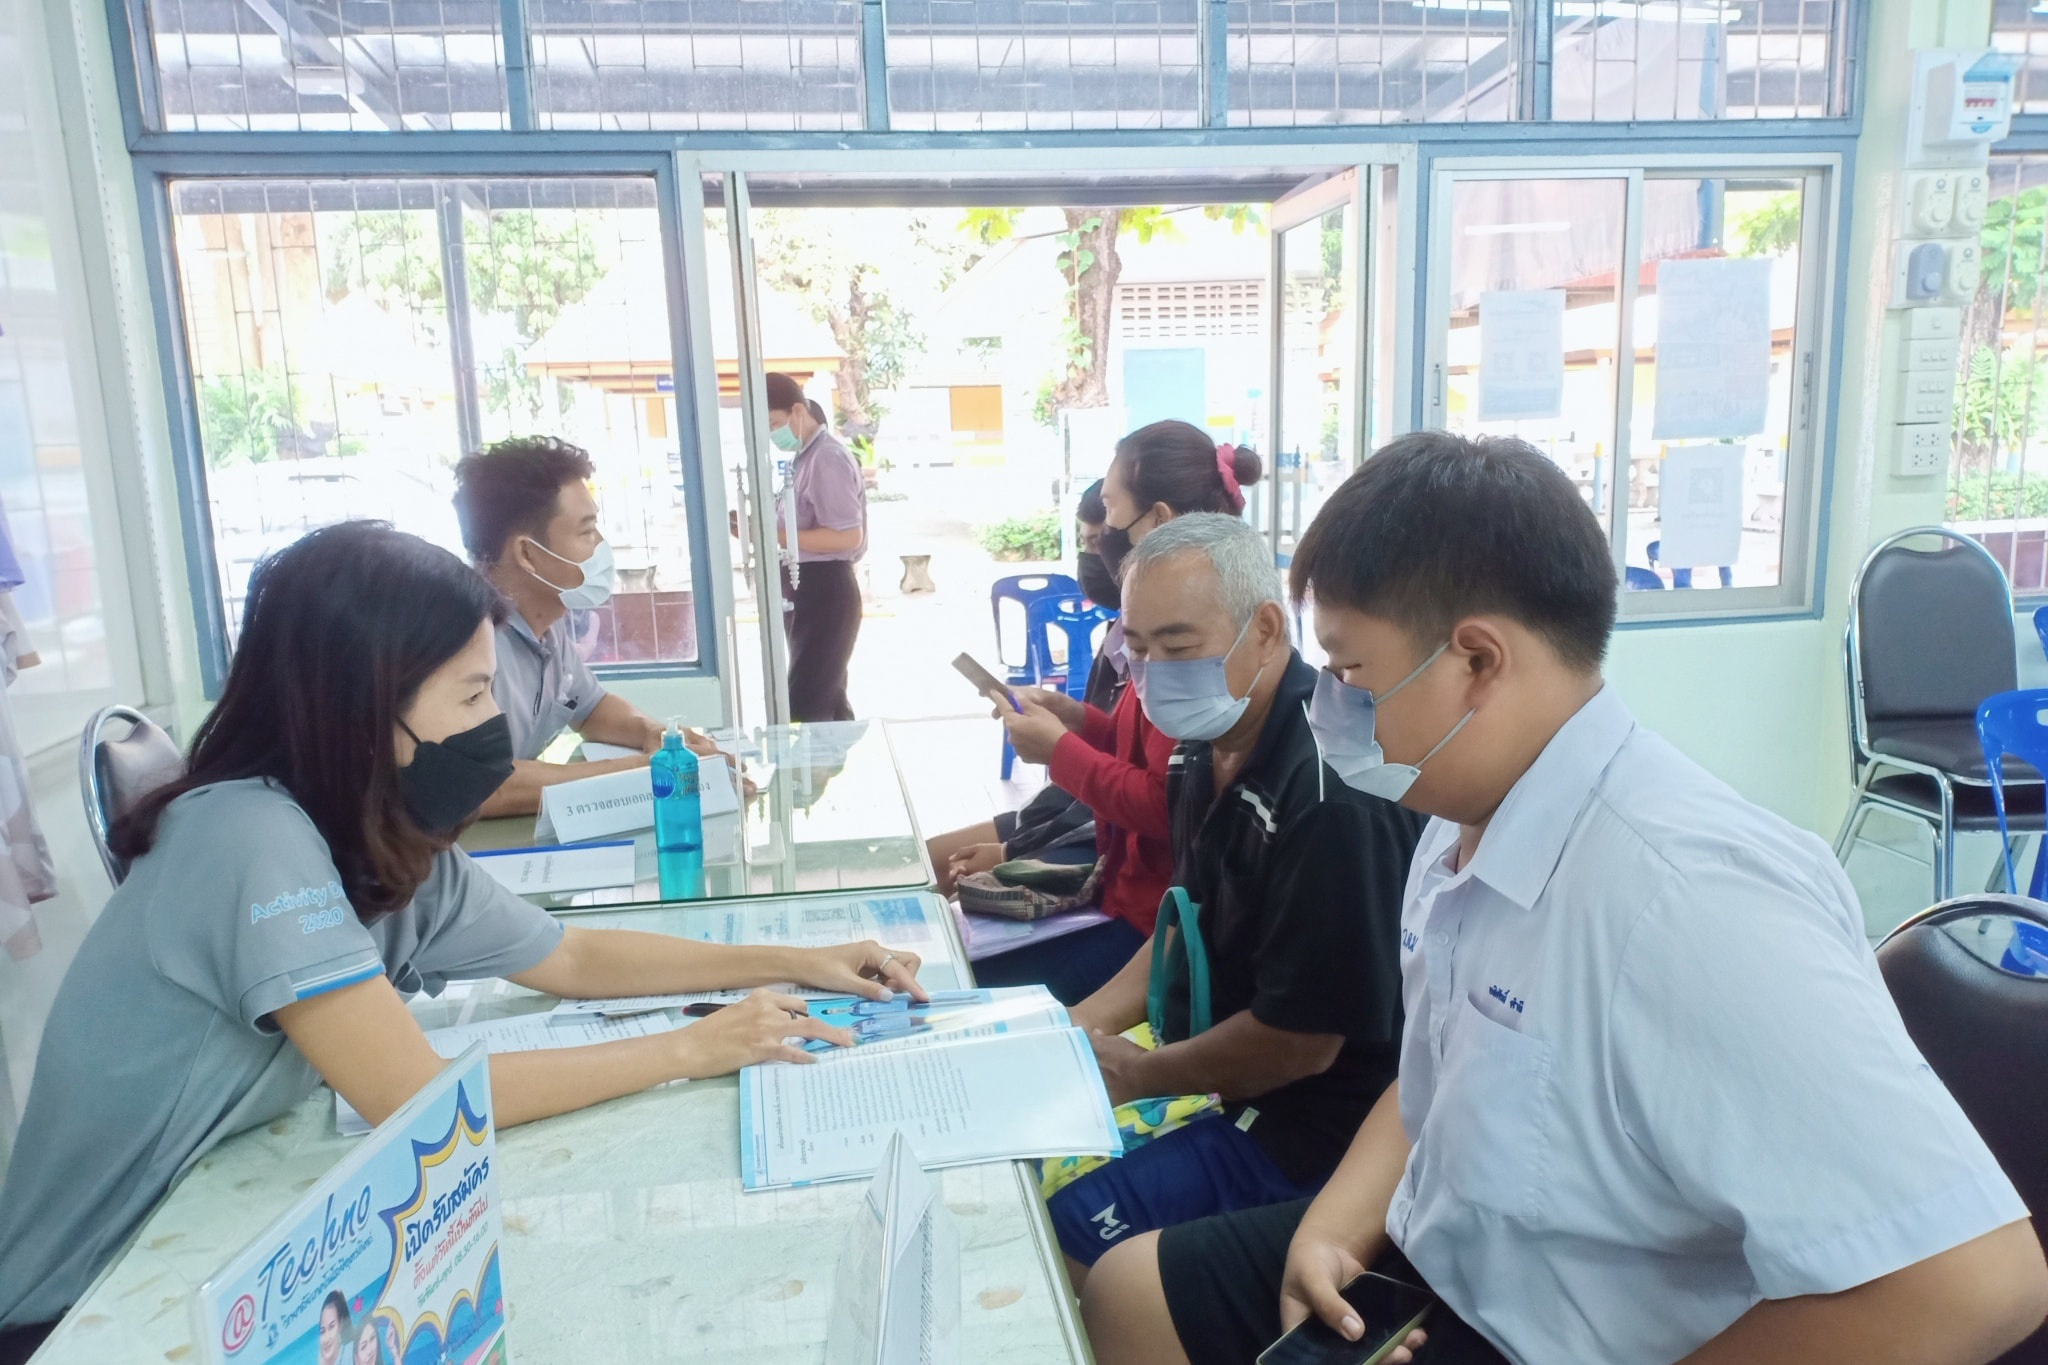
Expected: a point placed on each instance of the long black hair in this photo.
(340, 629)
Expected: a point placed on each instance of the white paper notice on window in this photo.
(1713, 349)
(1700, 492)
(1521, 354)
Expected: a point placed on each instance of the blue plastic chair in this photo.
(1078, 620)
(2041, 626)
(1640, 580)
(1023, 589)
(1682, 578)
(2013, 723)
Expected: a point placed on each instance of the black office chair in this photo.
(114, 773)
(1930, 636)
(1983, 1027)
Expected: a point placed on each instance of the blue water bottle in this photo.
(678, 818)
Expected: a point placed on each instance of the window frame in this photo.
(1809, 454)
(154, 178)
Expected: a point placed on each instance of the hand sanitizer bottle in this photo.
(678, 818)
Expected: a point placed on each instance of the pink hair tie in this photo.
(1226, 465)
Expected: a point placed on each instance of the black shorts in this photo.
(1222, 1281)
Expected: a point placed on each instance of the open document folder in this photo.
(956, 1099)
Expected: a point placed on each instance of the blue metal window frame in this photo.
(154, 174)
(522, 151)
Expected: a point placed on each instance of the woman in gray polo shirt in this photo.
(297, 883)
(831, 516)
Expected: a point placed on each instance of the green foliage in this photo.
(1033, 537)
(1045, 408)
(1240, 216)
(986, 227)
(2002, 399)
(1769, 229)
(863, 450)
(2011, 250)
(242, 417)
(529, 263)
(1997, 497)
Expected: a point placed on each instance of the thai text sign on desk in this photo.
(394, 1253)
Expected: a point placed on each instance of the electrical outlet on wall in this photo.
(1922, 449)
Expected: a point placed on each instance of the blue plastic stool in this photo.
(2011, 723)
(2041, 626)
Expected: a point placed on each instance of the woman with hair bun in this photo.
(1115, 762)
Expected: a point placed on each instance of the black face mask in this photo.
(1098, 584)
(449, 780)
(1115, 544)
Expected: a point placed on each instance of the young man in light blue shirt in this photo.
(1654, 1102)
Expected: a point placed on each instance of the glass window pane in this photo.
(348, 65)
(1998, 473)
(1319, 372)
(2022, 26)
(1362, 61)
(569, 326)
(1557, 236)
(324, 366)
(45, 508)
(1621, 59)
(1688, 220)
(967, 65)
(696, 64)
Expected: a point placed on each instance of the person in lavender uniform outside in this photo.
(830, 514)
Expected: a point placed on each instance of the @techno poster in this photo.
(392, 1259)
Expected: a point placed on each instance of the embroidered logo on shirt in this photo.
(305, 898)
(1409, 941)
(1500, 993)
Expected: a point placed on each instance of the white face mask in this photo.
(1342, 719)
(1190, 698)
(597, 571)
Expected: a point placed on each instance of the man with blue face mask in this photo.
(1655, 1103)
(530, 526)
(1272, 976)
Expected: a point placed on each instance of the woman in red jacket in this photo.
(1115, 761)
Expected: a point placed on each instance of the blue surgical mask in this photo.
(1190, 698)
(1342, 719)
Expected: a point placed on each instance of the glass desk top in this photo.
(831, 814)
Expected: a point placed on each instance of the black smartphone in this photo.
(983, 680)
(1389, 1309)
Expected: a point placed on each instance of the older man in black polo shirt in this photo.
(1273, 978)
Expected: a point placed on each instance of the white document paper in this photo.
(1005, 1098)
(896, 1292)
(597, 751)
(520, 1033)
(1521, 354)
(1699, 489)
(990, 935)
(562, 867)
(1713, 349)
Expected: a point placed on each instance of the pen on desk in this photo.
(702, 1009)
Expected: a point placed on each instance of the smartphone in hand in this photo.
(1389, 1309)
(984, 681)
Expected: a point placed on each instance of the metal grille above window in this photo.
(1364, 61)
(744, 65)
(325, 65)
(997, 65)
(1697, 59)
